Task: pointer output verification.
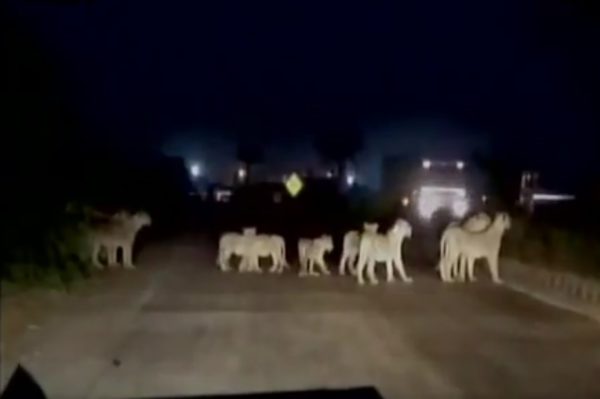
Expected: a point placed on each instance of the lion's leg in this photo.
(223, 260)
(453, 269)
(399, 264)
(360, 269)
(247, 265)
(371, 272)
(352, 263)
(111, 251)
(468, 267)
(457, 269)
(447, 261)
(323, 266)
(389, 271)
(275, 263)
(244, 265)
(471, 268)
(342, 266)
(493, 262)
(281, 263)
(443, 270)
(453, 265)
(256, 264)
(447, 267)
(303, 272)
(311, 267)
(127, 258)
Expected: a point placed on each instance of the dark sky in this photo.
(513, 77)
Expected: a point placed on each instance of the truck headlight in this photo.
(460, 207)
(428, 204)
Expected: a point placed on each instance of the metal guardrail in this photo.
(567, 290)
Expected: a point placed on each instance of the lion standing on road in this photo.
(312, 253)
(114, 233)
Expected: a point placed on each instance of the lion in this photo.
(312, 252)
(351, 246)
(263, 245)
(234, 244)
(449, 269)
(460, 248)
(375, 247)
(118, 232)
(280, 262)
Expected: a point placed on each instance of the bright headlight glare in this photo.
(428, 204)
(460, 208)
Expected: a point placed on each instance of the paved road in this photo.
(177, 326)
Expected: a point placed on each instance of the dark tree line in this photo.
(51, 158)
(339, 145)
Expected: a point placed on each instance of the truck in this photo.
(428, 186)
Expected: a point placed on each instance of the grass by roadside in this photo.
(22, 310)
(554, 248)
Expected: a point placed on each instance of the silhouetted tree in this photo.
(339, 146)
(249, 153)
(503, 175)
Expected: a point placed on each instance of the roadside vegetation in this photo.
(561, 248)
(48, 250)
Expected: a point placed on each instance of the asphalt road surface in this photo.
(178, 326)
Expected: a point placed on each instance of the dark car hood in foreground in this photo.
(23, 385)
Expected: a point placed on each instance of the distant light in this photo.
(329, 174)
(241, 173)
(484, 198)
(223, 195)
(442, 189)
(552, 197)
(432, 198)
(405, 201)
(350, 179)
(195, 170)
(428, 204)
(460, 207)
(460, 165)
(426, 163)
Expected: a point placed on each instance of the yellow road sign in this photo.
(294, 184)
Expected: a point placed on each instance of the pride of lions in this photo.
(478, 237)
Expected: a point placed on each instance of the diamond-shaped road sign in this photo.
(294, 184)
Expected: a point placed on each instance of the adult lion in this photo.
(449, 266)
(386, 248)
(235, 244)
(312, 253)
(263, 245)
(118, 232)
(460, 248)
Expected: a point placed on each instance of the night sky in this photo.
(515, 79)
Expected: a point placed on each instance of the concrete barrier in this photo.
(560, 288)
